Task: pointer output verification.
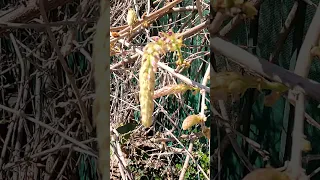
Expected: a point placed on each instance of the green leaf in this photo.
(126, 128)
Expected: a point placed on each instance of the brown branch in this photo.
(175, 9)
(187, 34)
(149, 18)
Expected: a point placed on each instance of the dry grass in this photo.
(46, 96)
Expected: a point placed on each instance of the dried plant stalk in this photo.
(101, 76)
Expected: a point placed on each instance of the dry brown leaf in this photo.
(266, 174)
(115, 34)
(271, 99)
(206, 132)
(191, 121)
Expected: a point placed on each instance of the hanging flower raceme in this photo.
(173, 89)
(226, 83)
(166, 42)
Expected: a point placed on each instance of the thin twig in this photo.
(186, 162)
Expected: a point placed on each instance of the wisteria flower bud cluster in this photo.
(166, 42)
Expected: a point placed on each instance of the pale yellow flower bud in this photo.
(131, 17)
